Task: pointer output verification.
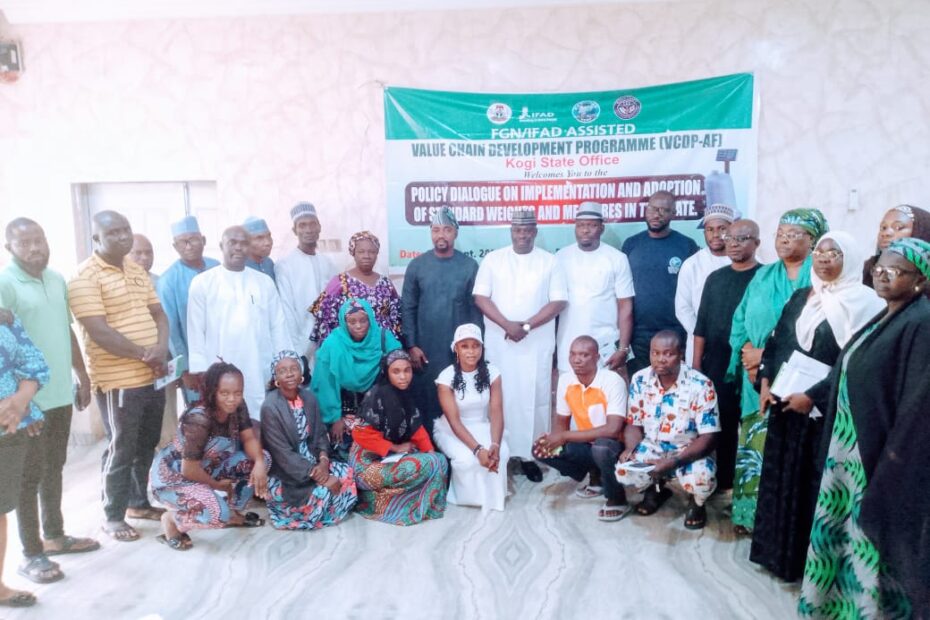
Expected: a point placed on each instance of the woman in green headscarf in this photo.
(347, 365)
(754, 320)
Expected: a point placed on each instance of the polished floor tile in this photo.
(545, 557)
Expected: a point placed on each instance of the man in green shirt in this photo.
(39, 297)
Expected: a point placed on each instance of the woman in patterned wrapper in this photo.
(308, 488)
(404, 490)
(214, 466)
(869, 554)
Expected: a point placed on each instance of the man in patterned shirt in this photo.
(23, 371)
(671, 429)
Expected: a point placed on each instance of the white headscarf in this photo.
(845, 303)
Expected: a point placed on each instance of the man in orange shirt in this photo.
(595, 400)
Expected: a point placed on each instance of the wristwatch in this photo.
(527, 327)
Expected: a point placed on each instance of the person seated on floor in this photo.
(671, 429)
(411, 486)
(23, 371)
(307, 489)
(471, 430)
(594, 398)
(347, 364)
(215, 464)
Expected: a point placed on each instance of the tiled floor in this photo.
(545, 557)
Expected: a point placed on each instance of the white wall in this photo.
(280, 109)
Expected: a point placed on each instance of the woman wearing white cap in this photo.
(471, 430)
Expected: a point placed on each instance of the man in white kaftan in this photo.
(696, 268)
(600, 293)
(301, 276)
(520, 290)
(235, 314)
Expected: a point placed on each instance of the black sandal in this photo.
(250, 519)
(652, 500)
(696, 517)
(182, 542)
(19, 599)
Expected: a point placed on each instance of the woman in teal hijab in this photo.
(347, 365)
(754, 320)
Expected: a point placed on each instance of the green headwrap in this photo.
(914, 250)
(811, 220)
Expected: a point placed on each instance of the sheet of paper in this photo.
(393, 458)
(798, 374)
(176, 368)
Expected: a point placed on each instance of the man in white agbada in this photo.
(696, 268)
(235, 314)
(520, 289)
(600, 293)
(301, 276)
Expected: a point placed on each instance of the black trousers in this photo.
(132, 419)
(42, 487)
(578, 459)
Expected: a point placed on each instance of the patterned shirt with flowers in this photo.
(20, 360)
(673, 417)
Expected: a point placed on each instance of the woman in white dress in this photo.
(471, 430)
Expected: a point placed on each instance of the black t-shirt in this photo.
(655, 264)
(723, 291)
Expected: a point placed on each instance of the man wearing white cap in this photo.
(696, 268)
(174, 285)
(520, 290)
(235, 314)
(600, 293)
(260, 244)
(301, 276)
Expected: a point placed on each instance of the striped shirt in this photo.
(122, 297)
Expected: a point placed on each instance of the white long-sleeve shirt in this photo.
(691, 278)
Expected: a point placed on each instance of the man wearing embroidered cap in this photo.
(600, 292)
(301, 276)
(696, 268)
(436, 298)
(173, 287)
(521, 289)
(260, 244)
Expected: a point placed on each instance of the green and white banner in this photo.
(485, 155)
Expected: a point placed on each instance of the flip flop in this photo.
(146, 514)
(70, 544)
(613, 513)
(19, 599)
(178, 543)
(34, 568)
(131, 534)
(588, 491)
(251, 520)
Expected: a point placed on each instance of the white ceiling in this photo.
(52, 11)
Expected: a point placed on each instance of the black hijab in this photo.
(388, 409)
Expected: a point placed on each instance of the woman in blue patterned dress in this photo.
(307, 488)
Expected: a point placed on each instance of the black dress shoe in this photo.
(532, 471)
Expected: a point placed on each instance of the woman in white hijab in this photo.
(816, 323)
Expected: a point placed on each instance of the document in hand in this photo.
(798, 374)
(176, 368)
(393, 458)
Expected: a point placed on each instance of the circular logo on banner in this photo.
(586, 111)
(627, 107)
(499, 113)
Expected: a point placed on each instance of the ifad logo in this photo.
(499, 113)
(627, 107)
(586, 111)
(535, 117)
